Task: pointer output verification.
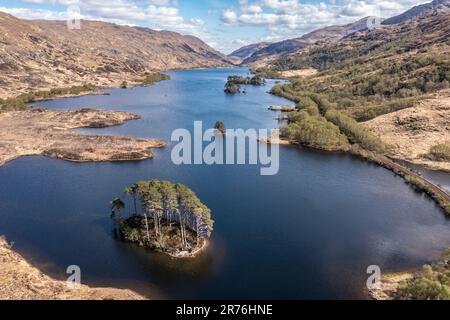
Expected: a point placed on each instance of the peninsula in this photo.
(50, 133)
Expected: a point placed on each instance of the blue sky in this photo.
(224, 24)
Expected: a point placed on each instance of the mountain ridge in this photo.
(277, 50)
(334, 32)
(247, 51)
(417, 11)
(42, 54)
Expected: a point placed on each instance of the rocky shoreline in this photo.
(49, 133)
(189, 254)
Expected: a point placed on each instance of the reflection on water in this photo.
(309, 232)
(440, 178)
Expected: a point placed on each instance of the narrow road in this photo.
(399, 168)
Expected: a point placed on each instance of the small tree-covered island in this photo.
(166, 217)
(234, 83)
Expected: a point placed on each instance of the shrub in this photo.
(323, 103)
(356, 132)
(307, 104)
(20, 102)
(152, 78)
(268, 73)
(440, 152)
(315, 132)
(432, 283)
(421, 186)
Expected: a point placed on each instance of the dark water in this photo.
(309, 232)
(440, 178)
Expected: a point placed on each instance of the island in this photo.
(220, 128)
(170, 218)
(233, 84)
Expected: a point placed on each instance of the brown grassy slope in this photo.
(414, 131)
(36, 55)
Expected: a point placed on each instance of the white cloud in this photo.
(279, 19)
(230, 16)
(157, 14)
(292, 18)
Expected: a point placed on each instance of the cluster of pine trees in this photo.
(166, 216)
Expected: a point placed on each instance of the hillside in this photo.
(247, 51)
(374, 73)
(269, 53)
(423, 10)
(418, 33)
(37, 55)
(275, 50)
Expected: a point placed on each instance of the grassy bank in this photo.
(421, 185)
(20, 102)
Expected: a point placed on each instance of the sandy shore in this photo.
(21, 281)
(49, 133)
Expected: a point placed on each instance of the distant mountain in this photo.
(247, 51)
(37, 55)
(275, 50)
(420, 11)
(420, 34)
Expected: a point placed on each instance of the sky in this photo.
(225, 25)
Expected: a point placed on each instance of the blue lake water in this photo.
(308, 232)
